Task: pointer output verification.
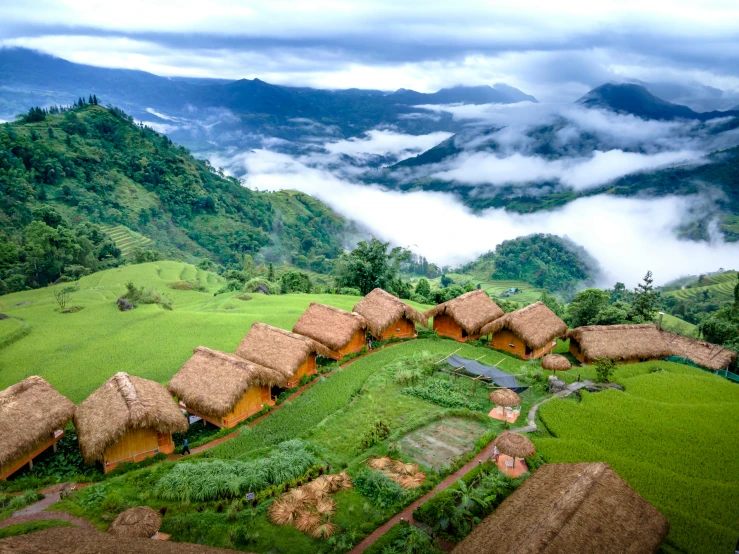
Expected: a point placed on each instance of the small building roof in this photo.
(142, 522)
(555, 362)
(471, 311)
(381, 309)
(278, 349)
(535, 324)
(566, 508)
(705, 354)
(620, 342)
(514, 444)
(29, 412)
(505, 397)
(122, 403)
(213, 382)
(332, 327)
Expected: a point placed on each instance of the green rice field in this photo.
(126, 239)
(720, 286)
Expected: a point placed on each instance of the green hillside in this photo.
(126, 239)
(719, 286)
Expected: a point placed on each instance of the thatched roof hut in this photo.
(30, 411)
(704, 354)
(536, 325)
(122, 403)
(332, 327)
(73, 540)
(624, 343)
(381, 309)
(142, 522)
(471, 311)
(566, 508)
(213, 382)
(555, 362)
(505, 397)
(514, 445)
(278, 349)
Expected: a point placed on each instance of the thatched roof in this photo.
(213, 382)
(620, 342)
(29, 412)
(566, 508)
(555, 362)
(122, 403)
(505, 397)
(141, 521)
(332, 327)
(279, 349)
(73, 540)
(536, 325)
(471, 311)
(514, 444)
(705, 354)
(381, 309)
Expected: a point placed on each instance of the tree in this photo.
(63, 295)
(584, 308)
(295, 281)
(423, 288)
(646, 300)
(271, 272)
(551, 302)
(446, 280)
(370, 265)
(604, 368)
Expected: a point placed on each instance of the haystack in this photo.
(30, 413)
(555, 362)
(74, 540)
(288, 353)
(469, 312)
(566, 508)
(212, 383)
(622, 343)
(122, 404)
(514, 445)
(384, 312)
(704, 354)
(141, 521)
(505, 397)
(340, 331)
(536, 326)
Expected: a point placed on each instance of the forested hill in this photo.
(68, 177)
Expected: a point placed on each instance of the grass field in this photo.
(126, 239)
(679, 326)
(672, 435)
(527, 295)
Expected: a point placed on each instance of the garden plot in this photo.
(436, 444)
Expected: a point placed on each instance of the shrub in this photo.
(146, 296)
(604, 368)
(378, 487)
(349, 291)
(444, 392)
(377, 433)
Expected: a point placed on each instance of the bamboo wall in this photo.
(137, 445)
(508, 341)
(355, 345)
(308, 367)
(9, 468)
(445, 326)
(252, 402)
(402, 328)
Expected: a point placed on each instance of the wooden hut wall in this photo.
(252, 402)
(445, 326)
(308, 367)
(403, 328)
(508, 341)
(137, 445)
(8, 469)
(355, 345)
(575, 350)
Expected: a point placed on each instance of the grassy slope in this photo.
(672, 436)
(720, 287)
(77, 352)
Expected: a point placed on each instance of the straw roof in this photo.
(535, 324)
(505, 397)
(29, 412)
(471, 311)
(141, 521)
(514, 444)
(555, 362)
(279, 349)
(73, 540)
(122, 403)
(620, 342)
(332, 327)
(381, 309)
(565, 508)
(704, 354)
(213, 382)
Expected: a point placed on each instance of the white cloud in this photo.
(385, 142)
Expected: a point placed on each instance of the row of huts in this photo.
(130, 418)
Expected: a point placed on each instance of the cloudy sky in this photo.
(554, 50)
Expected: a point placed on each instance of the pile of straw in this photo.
(407, 475)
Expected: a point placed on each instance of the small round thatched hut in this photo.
(141, 522)
(505, 397)
(511, 447)
(555, 362)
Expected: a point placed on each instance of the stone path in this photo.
(36, 511)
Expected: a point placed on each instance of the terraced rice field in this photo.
(719, 286)
(126, 239)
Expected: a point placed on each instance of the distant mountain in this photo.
(497, 94)
(637, 100)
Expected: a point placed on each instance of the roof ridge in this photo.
(339, 311)
(285, 332)
(127, 390)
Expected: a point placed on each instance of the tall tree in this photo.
(584, 308)
(370, 265)
(423, 288)
(646, 300)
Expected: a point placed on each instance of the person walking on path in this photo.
(369, 342)
(185, 447)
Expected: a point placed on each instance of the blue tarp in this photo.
(499, 377)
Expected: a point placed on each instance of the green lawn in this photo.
(672, 435)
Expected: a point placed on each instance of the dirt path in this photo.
(36, 511)
(407, 513)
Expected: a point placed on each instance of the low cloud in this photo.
(386, 143)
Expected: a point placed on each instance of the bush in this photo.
(404, 538)
(376, 434)
(349, 291)
(604, 368)
(149, 295)
(378, 487)
(444, 392)
(295, 281)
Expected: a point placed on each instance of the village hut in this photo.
(528, 333)
(566, 508)
(340, 331)
(285, 352)
(32, 418)
(388, 316)
(512, 449)
(621, 343)
(463, 318)
(555, 362)
(224, 389)
(127, 419)
(142, 522)
(75, 540)
(505, 400)
(704, 354)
